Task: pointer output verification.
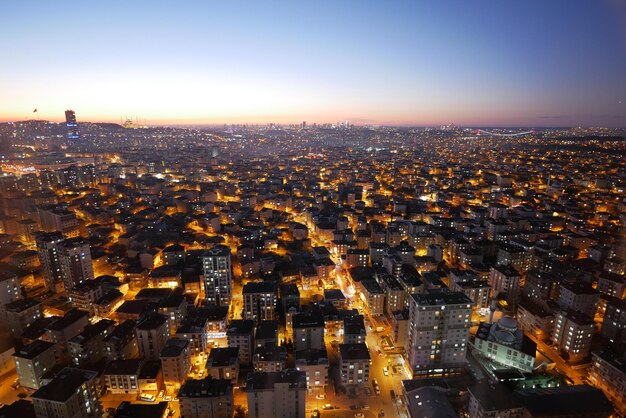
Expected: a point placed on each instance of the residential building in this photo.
(240, 334)
(308, 331)
(206, 398)
(152, 334)
(32, 361)
(259, 301)
(354, 364)
(223, 363)
(218, 275)
(276, 394)
(439, 325)
(175, 361)
(70, 394)
(572, 334)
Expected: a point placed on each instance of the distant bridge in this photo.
(483, 132)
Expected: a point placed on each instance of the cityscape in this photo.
(332, 211)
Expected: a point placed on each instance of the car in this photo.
(380, 353)
(320, 396)
(175, 399)
(161, 394)
(393, 394)
(167, 398)
(327, 406)
(146, 397)
(365, 407)
(359, 415)
(201, 373)
(386, 371)
(377, 390)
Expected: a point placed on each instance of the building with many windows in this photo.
(218, 275)
(439, 325)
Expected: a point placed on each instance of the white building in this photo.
(572, 334)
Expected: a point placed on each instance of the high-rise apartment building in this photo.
(48, 247)
(218, 275)
(76, 263)
(439, 324)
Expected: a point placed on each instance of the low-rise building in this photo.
(71, 393)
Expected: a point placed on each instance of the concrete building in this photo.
(218, 275)
(354, 364)
(20, 314)
(32, 361)
(308, 331)
(608, 373)
(373, 296)
(354, 331)
(48, 247)
(535, 319)
(121, 343)
(223, 363)
(152, 334)
(88, 346)
(259, 301)
(504, 279)
(76, 263)
(493, 400)
(276, 395)
(439, 325)
(579, 297)
(614, 322)
(315, 364)
(572, 334)
(269, 358)
(10, 289)
(240, 333)
(72, 393)
(175, 361)
(122, 376)
(206, 398)
(63, 330)
(195, 331)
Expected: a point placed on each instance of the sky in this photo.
(529, 63)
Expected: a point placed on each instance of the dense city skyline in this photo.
(473, 64)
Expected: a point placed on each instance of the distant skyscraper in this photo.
(72, 126)
(215, 150)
